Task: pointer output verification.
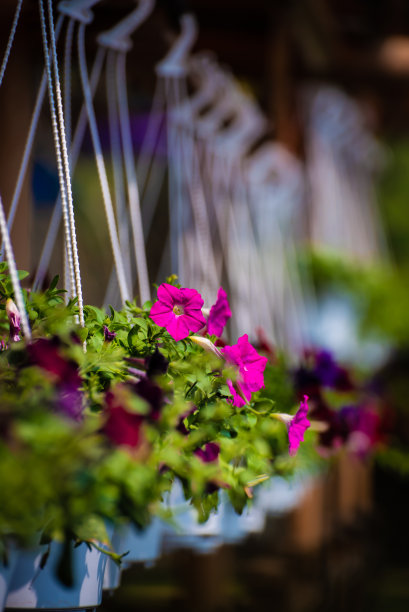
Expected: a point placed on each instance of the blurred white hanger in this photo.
(118, 37)
(175, 62)
(77, 9)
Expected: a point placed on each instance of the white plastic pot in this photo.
(142, 546)
(6, 573)
(188, 532)
(112, 574)
(237, 526)
(33, 587)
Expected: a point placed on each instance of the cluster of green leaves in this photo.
(73, 476)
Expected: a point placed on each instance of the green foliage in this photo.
(66, 477)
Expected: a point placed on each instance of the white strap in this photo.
(133, 194)
(106, 195)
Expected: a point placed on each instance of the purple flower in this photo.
(330, 374)
(108, 335)
(156, 364)
(209, 453)
(250, 366)
(14, 318)
(152, 394)
(296, 425)
(181, 427)
(45, 353)
(363, 425)
(178, 310)
(219, 314)
(122, 427)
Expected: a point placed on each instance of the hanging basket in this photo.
(34, 587)
(6, 573)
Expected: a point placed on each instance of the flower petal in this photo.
(161, 315)
(219, 314)
(168, 294)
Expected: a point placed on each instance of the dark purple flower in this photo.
(181, 425)
(152, 394)
(14, 318)
(122, 427)
(156, 364)
(306, 383)
(70, 401)
(330, 374)
(45, 353)
(209, 453)
(108, 335)
(363, 426)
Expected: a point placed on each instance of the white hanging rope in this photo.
(106, 195)
(18, 295)
(29, 142)
(10, 40)
(79, 133)
(174, 178)
(133, 194)
(67, 112)
(56, 136)
(67, 175)
(119, 187)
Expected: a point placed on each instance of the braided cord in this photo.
(18, 294)
(67, 113)
(133, 194)
(10, 40)
(67, 175)
(79, 133)
(63, 190)
(106, 195)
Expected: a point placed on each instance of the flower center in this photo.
(178, 310)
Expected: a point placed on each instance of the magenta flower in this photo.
(296, 425)
(250, 366)
(178, 310)
(219, 314)
(14, 318)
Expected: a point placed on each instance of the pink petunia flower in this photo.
(250, 366)
(14, 318)
(219, 314)
(296, 425)
(178, 310)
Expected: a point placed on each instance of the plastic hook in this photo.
(78, 9)
(118, 37)
(174, 64)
